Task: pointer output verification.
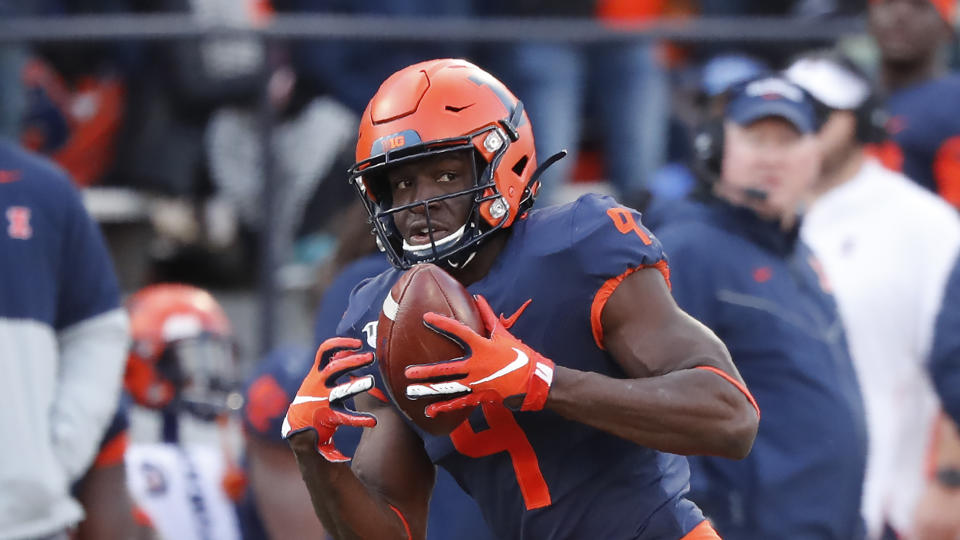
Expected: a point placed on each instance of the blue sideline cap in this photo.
(771, 96)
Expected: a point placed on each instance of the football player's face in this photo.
(772, 157)
(426, 178)
(906, 30)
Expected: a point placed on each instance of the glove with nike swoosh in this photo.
(319, 402)
(495, 369)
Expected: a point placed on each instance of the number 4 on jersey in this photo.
(624, 221)
(505, 435)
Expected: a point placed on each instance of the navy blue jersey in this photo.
(549, 477)
(337, 295)
(275, 383)
(925, 126)
(758, 288)
(945, 354)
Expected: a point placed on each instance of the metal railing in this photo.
(473, 30)
(284, 27)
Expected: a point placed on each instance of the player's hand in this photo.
(319, 402)
(495, 369)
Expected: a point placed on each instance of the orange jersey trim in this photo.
(406, 526)
(112, 452)
(606, 290)
(734, 382)
(703, 531)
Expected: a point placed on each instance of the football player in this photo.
(183, 365)
(584, 439)
(921, 98)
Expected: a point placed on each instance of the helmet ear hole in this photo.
(520, 165)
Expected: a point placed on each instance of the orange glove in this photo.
(498, 369)
(319, 402)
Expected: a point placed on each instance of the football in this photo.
(403, 340)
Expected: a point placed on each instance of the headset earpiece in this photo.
(708, 150)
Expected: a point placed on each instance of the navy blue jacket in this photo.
(757, 288)
(945, 355)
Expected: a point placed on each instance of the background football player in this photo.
(183, 365)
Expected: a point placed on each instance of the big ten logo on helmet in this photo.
(370, 332)
(18, 218)
(393, 141)
(396, 142)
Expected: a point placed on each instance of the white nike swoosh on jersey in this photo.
(521, 361)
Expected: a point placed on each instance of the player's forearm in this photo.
(346, 507)
(689, 411)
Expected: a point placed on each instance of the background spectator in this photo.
(63, 337)
(621, 86)
(911, 37)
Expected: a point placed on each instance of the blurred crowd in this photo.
(180, 123)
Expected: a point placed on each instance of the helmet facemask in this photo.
(458, 248)
(204, 371)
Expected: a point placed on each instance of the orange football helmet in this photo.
(183, 355)
(443, 106)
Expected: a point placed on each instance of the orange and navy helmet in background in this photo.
(443, 106)
(183, 353)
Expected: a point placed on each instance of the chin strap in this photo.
(535, 177)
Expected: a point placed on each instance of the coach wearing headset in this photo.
(738, 267)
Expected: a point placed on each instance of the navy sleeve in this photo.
(271, 388)
(337, 296)
(277, 379)
(88, 285)
(693, 288)
(945, 354)
(610, 240)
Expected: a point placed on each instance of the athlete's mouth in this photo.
(425, 238)
(423, 235)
